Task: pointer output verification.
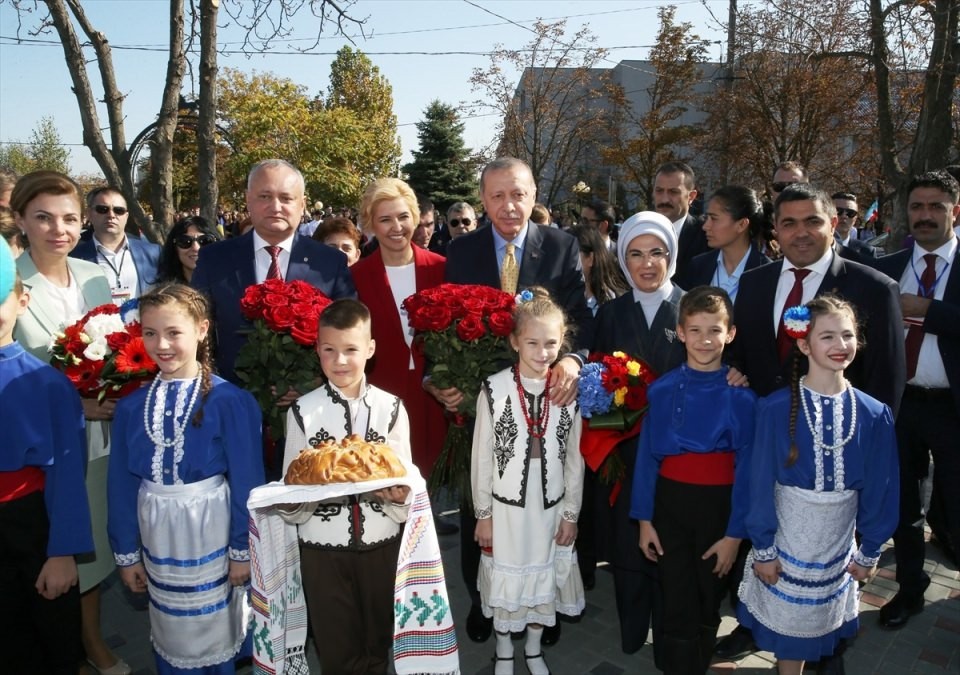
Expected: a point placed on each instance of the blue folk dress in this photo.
(179, 506)
(805, 515)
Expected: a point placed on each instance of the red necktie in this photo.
(926, 289)
(794, 298)
(274, 271)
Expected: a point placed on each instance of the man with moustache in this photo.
(805, 221)
(532, 255)
(929, 420)
(674, 189)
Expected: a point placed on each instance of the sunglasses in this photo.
(849, 213)
(457, 222)
(103, 209)
(186, 241)
(780, 186)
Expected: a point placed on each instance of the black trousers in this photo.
(36, 635)
(469, 553)
(927, 423)
(350, 602)
(689, 519)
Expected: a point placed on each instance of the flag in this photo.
(872, 213)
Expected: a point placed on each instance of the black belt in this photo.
(927, 393)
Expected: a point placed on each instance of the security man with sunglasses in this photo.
(130, 263)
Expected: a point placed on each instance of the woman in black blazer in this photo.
(735, 217)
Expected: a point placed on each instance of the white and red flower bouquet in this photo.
(462, 331)
(280, 350)
(103, 354)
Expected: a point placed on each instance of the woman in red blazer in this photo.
(394, 271)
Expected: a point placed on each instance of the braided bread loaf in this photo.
(353, 460)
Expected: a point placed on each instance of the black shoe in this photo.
(444, 526)
(479, 627)
(831, 665)
(736, 645)
(895, 614)
(551, 634)
(589, 579)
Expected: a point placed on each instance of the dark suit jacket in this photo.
(389, 368)
(880, 366)
(701, 269)
(145, 254)
(227, 268)
(551, 258)
(943, 316)
(858, 251)
(691, 243)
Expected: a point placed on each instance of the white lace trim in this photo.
(178, 416)
(238, 555)
(156, 426)
(480, 514)
(126, 559)
(865, 561)
(570, 516)
(820, 446)
(766, 554)
(158, 433)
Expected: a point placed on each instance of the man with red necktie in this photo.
(929, 420)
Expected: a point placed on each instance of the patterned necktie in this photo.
(926, 289)
(274, 271)
(509, 271)
(794, 298)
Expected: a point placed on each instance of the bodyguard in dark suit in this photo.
(848, 216)
(929, 420)
(515, 251)
(674, 189)
(805, 220)
(275, 201)
(130, 263)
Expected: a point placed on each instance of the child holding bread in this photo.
(349, 546)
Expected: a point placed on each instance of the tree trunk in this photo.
(161, 146)
(206, 128)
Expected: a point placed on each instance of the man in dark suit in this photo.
(546, 257)
(849, 246)
(929, 420)
(805, 220)
(674, 189)
(129, 263)
(275, 201)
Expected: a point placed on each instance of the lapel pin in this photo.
(305, 260)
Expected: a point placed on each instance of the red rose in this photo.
(434, 318)
(117, 340)
(275, 300)
(501, 323)
(471, 328)
(304, 332)
(251, 303)
(279, 319)
(274, 286)
(302, 310)
(474, 305)
(636, 398)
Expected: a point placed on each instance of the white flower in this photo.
(102, 325)
(96, 350)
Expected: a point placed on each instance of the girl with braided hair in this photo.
(186, 453)
(824, 465)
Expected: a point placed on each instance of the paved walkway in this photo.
(929, 644)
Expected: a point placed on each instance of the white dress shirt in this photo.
(811, 284)
(263, 259)
(931, 372)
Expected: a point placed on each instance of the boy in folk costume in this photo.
(44, 515)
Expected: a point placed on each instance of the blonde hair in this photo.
(384, 189)
(541, 306)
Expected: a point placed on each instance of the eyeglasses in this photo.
(185, 241)
(849, 213)
(457, 222)
(654, 255)
(103, 209)
(780, 186)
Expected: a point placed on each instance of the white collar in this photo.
(819, 267)
(259, 242)
(946, 251)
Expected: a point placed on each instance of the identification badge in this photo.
(120, 295)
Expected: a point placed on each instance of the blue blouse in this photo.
(867, 463)
(228, 441)
(42, 425)
(695, 411)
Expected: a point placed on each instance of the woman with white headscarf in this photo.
(641, 323)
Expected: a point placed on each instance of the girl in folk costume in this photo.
(186, 453)
(527, 480)
(825, 465)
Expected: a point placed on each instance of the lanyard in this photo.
(922, 290)
(116, 270)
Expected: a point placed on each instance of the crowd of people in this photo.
(804, 381)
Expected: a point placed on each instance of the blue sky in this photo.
(34, 81)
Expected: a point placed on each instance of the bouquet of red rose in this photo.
(103, 352)
(279, 353)
(462, 330)
(612, 394)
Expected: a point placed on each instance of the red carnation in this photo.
(471, 328)
(133, 358)
(501, 323)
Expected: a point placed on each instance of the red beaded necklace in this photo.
(537, 427)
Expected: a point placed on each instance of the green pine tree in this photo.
(442, 169)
